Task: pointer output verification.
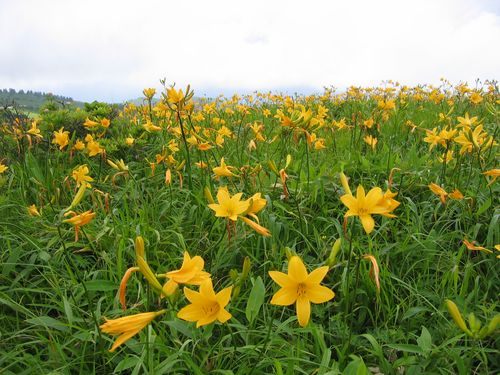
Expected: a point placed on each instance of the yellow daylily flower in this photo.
(371, 141)
(79, 145)
(61, 138)
(3, 167)
(174, 96)
(256, 203)
(105, 123)
(366, 205)
(34, 130)
(191, 272)
(471, 246)
(491, 173)
(228, 206)
(94, 148)
(223, 170)
(79, 220)
(128, 326)
(149, 127)
(206, 307)
(80, 175)
(438, 190)
(301, 288)
(89, 123)
(33, 210)
(149, 93)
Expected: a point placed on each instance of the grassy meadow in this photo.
(350, 232)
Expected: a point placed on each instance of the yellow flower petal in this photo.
(296, 270)
(303, 311)
(284, 296)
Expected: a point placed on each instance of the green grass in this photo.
(54, 292)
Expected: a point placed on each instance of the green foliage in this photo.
(55, 291)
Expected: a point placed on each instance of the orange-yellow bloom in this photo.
(61, 138)
(90, 124)
(471, 246)
(438, 190)
(128, 326)
(81, 175)
(223, 170)
(94, 148)
(301, 288)
(105, 123)
(191, 272)
(228, 206)
(79, 220)
(366, 205)
(206, 307)
(33, 211)
(371, 141)
(3, 167)
(255, 204)
(491, 173)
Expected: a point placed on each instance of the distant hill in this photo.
(32, 100)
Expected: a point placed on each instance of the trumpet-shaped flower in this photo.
(33, 130)
(33, 210)
(256, 204)
(206, 306)
(365, 205)
(81, 175)
(223, 170)
(61, 138)
(371, 141)
(301, 288)
(495, 173)
(228, 206)
(94, 148)
(191, 272)
(439, 191)
(79, 220)
(128, 326)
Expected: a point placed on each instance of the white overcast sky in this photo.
(110, 50)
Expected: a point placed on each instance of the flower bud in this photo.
(333, 254)
(139, 247)
(345, 183)
(208, 195)
(457, 317)
(247, 265)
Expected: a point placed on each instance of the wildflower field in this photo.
(351, 232)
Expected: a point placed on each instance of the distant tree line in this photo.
(32, 100)
(34, 93)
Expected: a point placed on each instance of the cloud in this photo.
(110, 50)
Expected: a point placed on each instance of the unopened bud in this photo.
(139, 246)
(208, 195)
(457, 317)
(345, 183)
(333, 254)
(236, 292)
(246, 267)
(233, 274)
(78, 197)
